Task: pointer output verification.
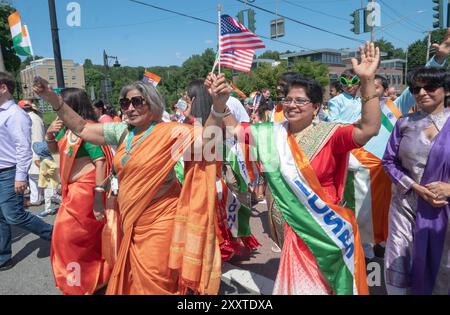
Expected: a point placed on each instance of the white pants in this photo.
(35, 191)
(48, 194)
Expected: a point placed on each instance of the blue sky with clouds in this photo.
(141, 35)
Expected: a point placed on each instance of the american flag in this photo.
(240, 59)
(234, 35)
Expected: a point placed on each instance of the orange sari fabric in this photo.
(169, 242)
(76, 248)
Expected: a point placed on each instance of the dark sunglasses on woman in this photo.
(137, 101)
(428, 88)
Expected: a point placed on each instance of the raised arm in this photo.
(370, 122)
(92, 133)
(220, 92)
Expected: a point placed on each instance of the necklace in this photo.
(130, 148)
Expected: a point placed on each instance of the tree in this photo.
(312, 69)
(388, 47)
(417, 51)
(12, 61)
(269, 54)
(266, 76)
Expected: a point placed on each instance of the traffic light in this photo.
(367, 27)
(356, 22)
(251, 20)
(439, 15)
(240, 17)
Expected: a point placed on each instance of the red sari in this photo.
(79, 267)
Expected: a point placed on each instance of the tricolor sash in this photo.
(329, 231)
(368, 187)
(236, 215)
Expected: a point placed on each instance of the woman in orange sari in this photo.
(169, 243)
(76, 250)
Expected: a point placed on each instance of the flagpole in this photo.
(218, 33)
(29, 40)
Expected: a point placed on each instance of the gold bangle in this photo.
(368, 98)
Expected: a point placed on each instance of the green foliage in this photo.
(269, 54)
(12, 61)
(312, 69)
(48, 118)
(417, 51)
(388, 47)
(266, 76)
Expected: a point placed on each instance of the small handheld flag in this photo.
(151, 78)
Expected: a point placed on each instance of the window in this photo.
(74, 78)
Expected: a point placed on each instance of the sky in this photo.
(140, 35)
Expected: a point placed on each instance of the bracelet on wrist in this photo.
(47, 139)
(368, 98)
(226, 113)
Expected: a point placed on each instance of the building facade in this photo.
(45, 68)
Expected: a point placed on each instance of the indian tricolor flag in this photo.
(368, 187)
(151, 78)
(20, 37)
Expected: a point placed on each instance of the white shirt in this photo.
(237, 110)
(37, 135)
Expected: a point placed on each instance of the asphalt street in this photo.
(249, 273)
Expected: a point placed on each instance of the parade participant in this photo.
(391, 93)
(37, 135)
(48, 176)
(367, 189)
(169, 243)
(232, 242)
(277, 113)
(304, 165)
(417, 159)
(77, 235)
(101, 112)
(15, 160)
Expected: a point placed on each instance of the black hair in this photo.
(110, 111)
(290, 75)
(348, 73)
(434, 77)
(383, 80)
(100, 105)
(8, 80)
(79, 101)
(313, 89)
(337, 86)
(201, 106)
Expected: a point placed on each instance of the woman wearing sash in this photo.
(417, 159)
(304, 165)
(169, 243)
(78, 264)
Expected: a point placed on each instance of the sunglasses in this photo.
(427, 88)
(137, 101)
(353, 81)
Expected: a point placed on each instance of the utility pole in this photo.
(428, 46)
(56, 47)
(406, 65)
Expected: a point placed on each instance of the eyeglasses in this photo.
(353, 81)
(137, 101)
(427, 88)
(297, 101)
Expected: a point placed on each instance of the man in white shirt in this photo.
(237, 110)
(37, 135)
